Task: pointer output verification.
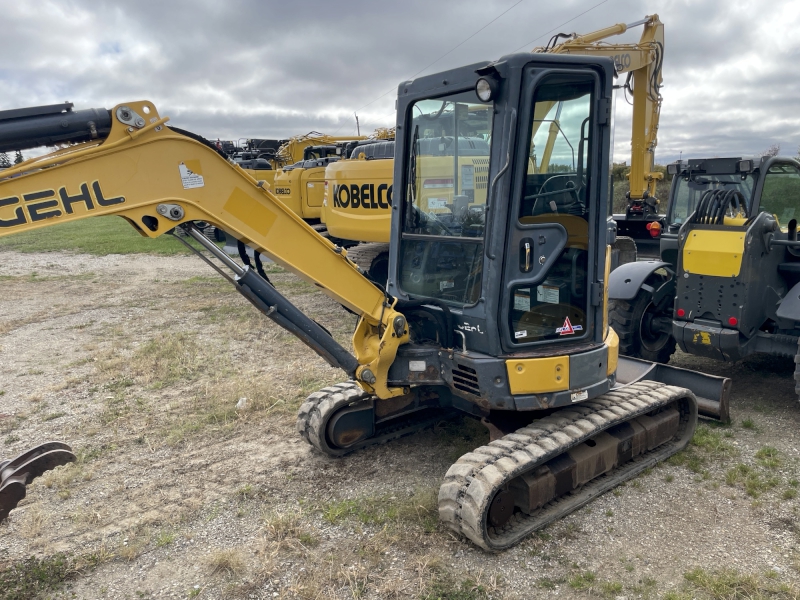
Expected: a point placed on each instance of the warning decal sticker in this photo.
(568, 328)
(189, 178)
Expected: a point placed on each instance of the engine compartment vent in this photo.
(466, 380)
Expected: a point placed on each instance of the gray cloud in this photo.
(251, 68)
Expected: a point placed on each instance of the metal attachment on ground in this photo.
(368, 376)
(173, 212)
(15, 474)
(127, 116)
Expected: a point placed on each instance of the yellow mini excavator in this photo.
(495, 306)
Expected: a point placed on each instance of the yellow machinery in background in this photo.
(347, 218)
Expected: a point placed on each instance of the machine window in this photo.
(690, 188)
(781, 194)
(445, 198)
(556, 192)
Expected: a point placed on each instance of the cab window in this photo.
(781, 193)
(555, 191)
(441, 253)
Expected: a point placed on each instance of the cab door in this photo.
(552, 288)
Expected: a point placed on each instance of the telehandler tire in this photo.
(797, 371)
(631, 320)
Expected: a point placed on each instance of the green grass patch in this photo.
(768, 457)
(726, 584)
(446, 587)
(753, 482)
(96, 235)
(712, 441)
(32, 577)
(167, 358)
(582, 581)
(53, 416)
(420, 509)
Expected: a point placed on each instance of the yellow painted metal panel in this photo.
(538, 375)
(713, 252)
(248, 210)
(612, 342)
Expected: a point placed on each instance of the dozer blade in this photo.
(498, 494)
(712, 392)
(15, 474)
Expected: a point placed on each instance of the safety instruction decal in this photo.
(189, 178)
(568, 328)
(547, 293)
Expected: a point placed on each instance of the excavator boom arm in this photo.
(157, 178)
(643, 62)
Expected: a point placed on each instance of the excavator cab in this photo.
(516, 256)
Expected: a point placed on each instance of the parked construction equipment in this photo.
(495, 303)
(728, 282)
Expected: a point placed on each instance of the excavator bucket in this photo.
(712, 392)
(17, 473)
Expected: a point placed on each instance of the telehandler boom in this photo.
(496, 308)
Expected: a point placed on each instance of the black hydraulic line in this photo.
(246, 260)
(270, 302)
(25, 128)
(199, 138)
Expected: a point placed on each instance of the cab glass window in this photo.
(445, 198)
(555, 191)
(691, 187)
(781, 193)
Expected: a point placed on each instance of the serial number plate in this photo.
(578, 396)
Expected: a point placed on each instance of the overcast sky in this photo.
(236, 69)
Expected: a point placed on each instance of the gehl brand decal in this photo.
(46, 204)
(364, 196)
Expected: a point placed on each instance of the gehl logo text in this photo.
(46, 204)
(364, 196)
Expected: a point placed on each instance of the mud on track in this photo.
(139, 363)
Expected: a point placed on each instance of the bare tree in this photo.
(18, 158)
(5, 163)
(773, 150)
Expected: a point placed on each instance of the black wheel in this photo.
(636, 325)
(797, 371)
(379, 269)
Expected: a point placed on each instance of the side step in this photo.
(712, 392)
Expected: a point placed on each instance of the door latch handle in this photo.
(527, 266)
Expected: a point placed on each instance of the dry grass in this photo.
(229, 561)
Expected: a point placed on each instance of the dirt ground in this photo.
(139, 362)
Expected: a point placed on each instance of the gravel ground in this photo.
(139, 363)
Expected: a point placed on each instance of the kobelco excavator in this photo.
(493, 306)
